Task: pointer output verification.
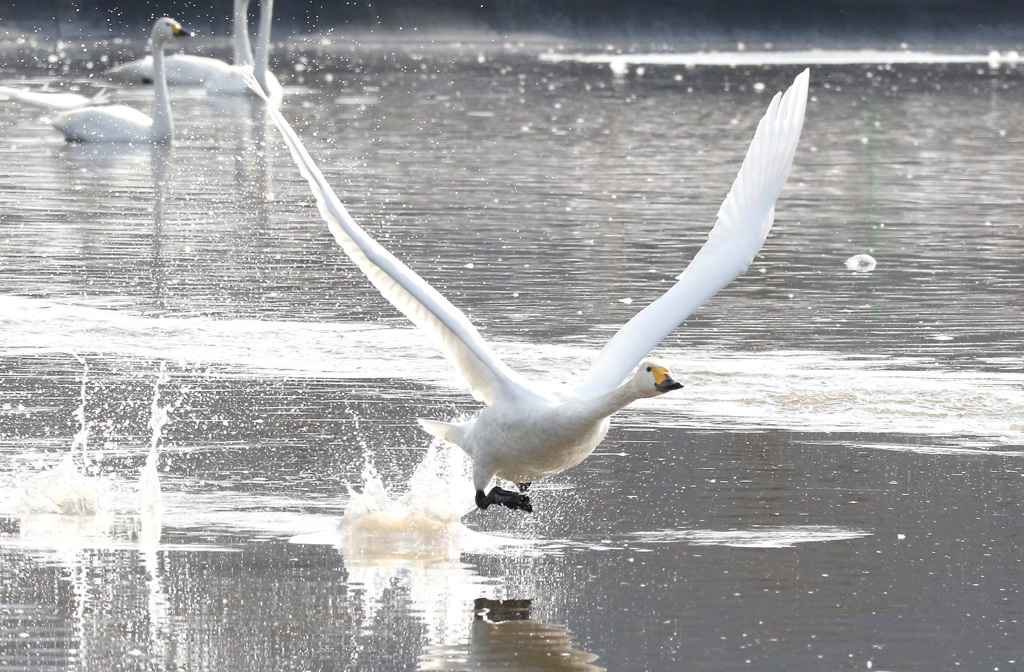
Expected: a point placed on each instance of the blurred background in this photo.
(748, 19)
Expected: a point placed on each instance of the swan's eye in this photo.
(648, 368)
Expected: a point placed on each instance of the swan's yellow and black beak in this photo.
(179, 31)
(663, 381)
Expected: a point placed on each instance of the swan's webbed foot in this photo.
(506, 498)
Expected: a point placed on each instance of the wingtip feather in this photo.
(252, 83)
(744, 221)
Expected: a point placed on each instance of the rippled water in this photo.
(839, 485)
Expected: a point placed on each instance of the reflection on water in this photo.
(839, 484)
(504, 637)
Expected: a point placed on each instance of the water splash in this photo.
(424, 522)
(150, 522)
(150, 493)
(65, 490)
(81, 439)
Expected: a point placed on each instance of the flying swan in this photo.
(527, 432)
(188, 69)
(120, 123)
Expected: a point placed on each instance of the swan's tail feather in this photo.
(445, 431)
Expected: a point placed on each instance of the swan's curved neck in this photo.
(162, 127)
(243, 50)
(605, 404)
(262, 55)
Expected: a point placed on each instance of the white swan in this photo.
(527, 432)
(54, 100)
(232, 82)
(120, 123)
(188, 69)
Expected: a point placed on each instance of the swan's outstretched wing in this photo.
(488, 377)
(744, 220)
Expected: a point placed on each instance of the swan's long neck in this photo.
(605, 404)
(262, 56)
(162, 127)
(243, 50)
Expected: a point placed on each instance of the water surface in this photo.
(838, 486)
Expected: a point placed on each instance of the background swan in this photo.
(54, 100)
(232, 82)
(188, 69)
(526, 431)
(120, 123)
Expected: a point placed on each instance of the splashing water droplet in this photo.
(150, 493)
(424, 522)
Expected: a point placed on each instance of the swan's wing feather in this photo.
(46, 100)
(743, 223)
(488, 377)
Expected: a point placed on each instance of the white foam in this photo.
(785, 536)
(861, 263)
(792, 390)
(818, 392)
(324, 350)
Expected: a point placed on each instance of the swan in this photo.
(232, 82)
(188, 69)
(54, 100)
(527, 432)
(120, 123)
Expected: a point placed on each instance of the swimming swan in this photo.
(527, 432)
(188, 69)
(54, 100)
(120, 123)
(231, 82)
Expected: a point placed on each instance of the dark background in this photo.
(890, 19)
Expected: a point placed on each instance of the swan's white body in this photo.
(181, 70)
(232, 82)
(120, 123)
(188, 69)
(54, 100)
(527, 432)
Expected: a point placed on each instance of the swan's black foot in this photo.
(523, 487)
(507, 498)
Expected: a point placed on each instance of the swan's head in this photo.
(166, 28)
(653, 378)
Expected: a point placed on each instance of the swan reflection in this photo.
(504, 637)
